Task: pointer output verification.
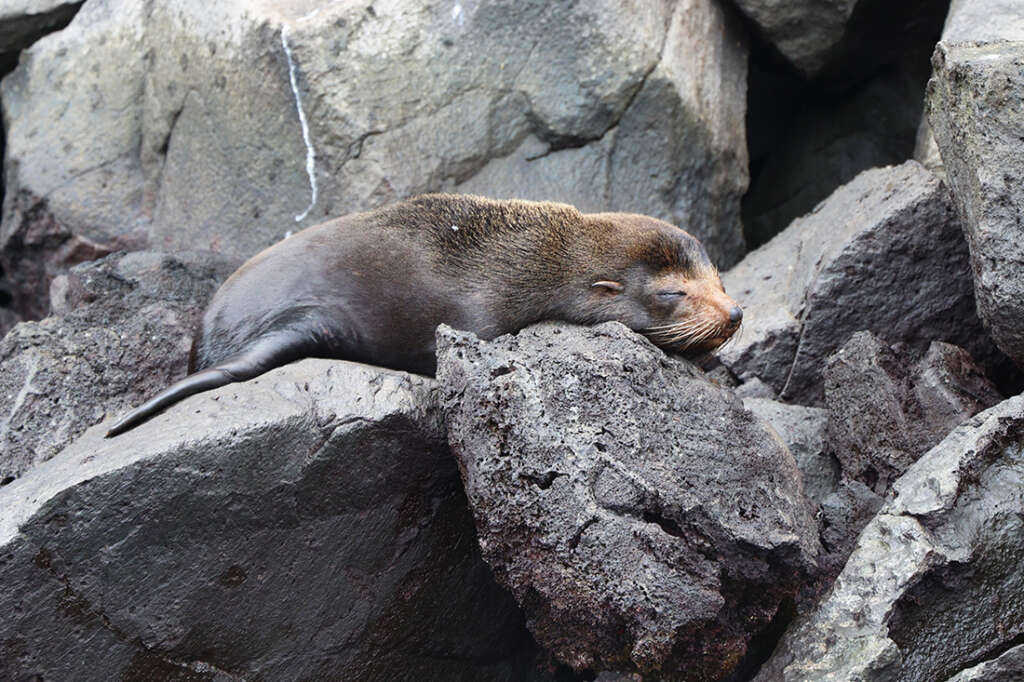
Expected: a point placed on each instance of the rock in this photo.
(884, 253)
(121, 330)
(973, 105)
(1005, 668)
(307, 524)
(642, 518)
(842, 516)
(933, 584)
(802, 429)
(868, 429)
(948, 388)
(193, 128)
(977, 21)
(805, 32)
(885, 413)
(22, 22)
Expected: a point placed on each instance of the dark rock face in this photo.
(642, 518)
(121, 330)
(305, 525)
(933, 585)
(884, 254)
(885, 411)
(22, 22)
(884, 414)
(974, 111)
(1009, 666)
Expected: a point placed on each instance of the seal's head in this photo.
(669, 290)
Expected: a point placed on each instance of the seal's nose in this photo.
(735, 314)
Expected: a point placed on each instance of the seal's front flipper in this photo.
(263, 356)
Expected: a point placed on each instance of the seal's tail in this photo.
(195, 383)
(269, 352)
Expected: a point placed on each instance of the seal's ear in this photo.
(607, 287)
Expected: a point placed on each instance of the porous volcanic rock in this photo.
(933, 586)
(884, 253)
(1005, 668)
(974, 109)
(642, 518)
(885, 411)
(225, 125)
(308, 524)
(121, 331)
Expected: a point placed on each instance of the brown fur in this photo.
(372, 287)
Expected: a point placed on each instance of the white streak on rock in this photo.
(310, 152)
(457, 15)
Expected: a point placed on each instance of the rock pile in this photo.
(838, 498)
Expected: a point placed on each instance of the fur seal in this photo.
(372, 287)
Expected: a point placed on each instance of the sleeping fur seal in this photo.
(372, 287)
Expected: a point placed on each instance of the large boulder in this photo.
(884, 253)
(934, 583)
(974, 110)
(970, 21)
(224, 126)
(640, 515)
(121, 331)
(305, 525)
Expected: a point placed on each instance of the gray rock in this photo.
(804, 31)
(1008, 667)
(973, 105)
(868, 427)
(885, 411)
(22, 22)
(802, 429)
(883, 414)
(884, 253)
(970, 21)
(948, 387)
(304, 525)
(121, 330)
(842, 516)
(224, 127)
(642, 518)
(933, 585)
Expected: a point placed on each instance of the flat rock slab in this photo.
(933, 586)
(974, 109)
(308, 524)
(641, 516)
(884, 253)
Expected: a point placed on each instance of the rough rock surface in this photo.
(885, 413)
(884, 253)
(643, 519)
(804, 31)
(934, 584)
(121, 330)
(22, 22)
(1006, 668)
(970, 21)
(307, 524)
(802, 429)
(974, 110)
(224, 126)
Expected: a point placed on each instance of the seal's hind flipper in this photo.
(265, 355)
